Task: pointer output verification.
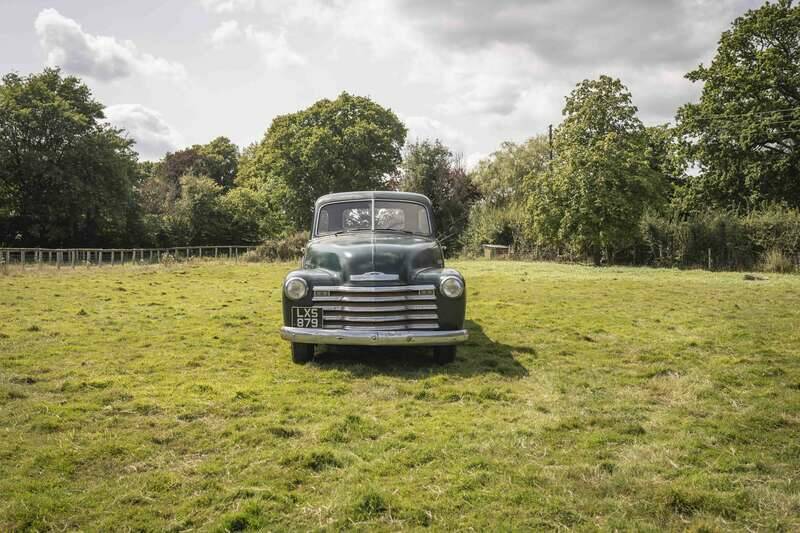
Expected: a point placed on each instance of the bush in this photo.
(769, 237)
(281, 249)
(496, 225)
(167, 260)
(776, 261)
(774, 228)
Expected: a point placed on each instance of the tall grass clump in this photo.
(279, 249)
(490, 224)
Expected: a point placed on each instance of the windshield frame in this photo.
(372, 228)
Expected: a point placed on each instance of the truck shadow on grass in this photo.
(479, 355)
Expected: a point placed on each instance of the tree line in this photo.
(725, 176)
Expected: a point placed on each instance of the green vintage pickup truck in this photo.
(373, 274)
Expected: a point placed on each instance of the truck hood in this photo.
(353, 254)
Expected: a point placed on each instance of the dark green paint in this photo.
(417, 260)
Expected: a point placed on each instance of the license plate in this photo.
(307, 317)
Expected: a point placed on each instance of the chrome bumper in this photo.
(353, 337)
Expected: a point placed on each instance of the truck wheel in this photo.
(444, 354)
(302, 353)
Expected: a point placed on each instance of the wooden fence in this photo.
(72, 257)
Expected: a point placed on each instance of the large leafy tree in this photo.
(744, 133)
(349, 143)
(431, 168)
(602, 178)
(502, 177)
(66, 177)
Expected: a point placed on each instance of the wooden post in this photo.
(58, 259)
(216, 251)
(709, 258)
(72, 258)
(22, 258)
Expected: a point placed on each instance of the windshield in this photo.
(390, 215)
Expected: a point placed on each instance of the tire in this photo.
(444, 354)
(302, 353)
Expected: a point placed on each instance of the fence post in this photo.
(709, 258)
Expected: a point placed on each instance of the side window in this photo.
(324, 221)
(423, 226)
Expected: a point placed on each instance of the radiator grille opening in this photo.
(395, 307)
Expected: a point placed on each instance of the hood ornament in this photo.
(374, 276)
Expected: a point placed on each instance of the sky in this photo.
(471, 73)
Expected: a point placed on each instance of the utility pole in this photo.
(550, 140)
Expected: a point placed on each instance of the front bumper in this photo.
(352, 337)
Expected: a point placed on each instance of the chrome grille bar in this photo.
(391, 307)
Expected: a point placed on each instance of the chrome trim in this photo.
(386, 327)
(395, 288)
(375, 276)
(376, 299)
(458, 279)
(373, 338)
(378, 309)
(304, 282)
(382, 318)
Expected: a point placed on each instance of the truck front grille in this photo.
(397, 307)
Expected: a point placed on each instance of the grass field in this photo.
(139, 398)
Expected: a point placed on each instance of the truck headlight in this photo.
(452, 287)
(295, 288)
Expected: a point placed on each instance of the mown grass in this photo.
(154, 398)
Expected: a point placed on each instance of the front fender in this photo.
(313, 277)
(452, 311)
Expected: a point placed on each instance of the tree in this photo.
(430, 168)
(199, 216)
(744, 133)
(602, 178)
(349, 143)
(66, 177)
(502, 177)
(219, 160)
(252, 217)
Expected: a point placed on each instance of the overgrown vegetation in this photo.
(586, 398)
(722, 178)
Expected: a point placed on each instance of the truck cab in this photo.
(373, 274)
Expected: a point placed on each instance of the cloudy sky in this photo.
(473, 73)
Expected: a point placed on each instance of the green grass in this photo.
(617, 398)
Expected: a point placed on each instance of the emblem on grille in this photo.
(374, 276)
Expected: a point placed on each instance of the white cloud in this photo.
(98, 56)
(228, 6)
(274, 48)
(422, 127)
(471, 161)
(153, 135)
(227, 31)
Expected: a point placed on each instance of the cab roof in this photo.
(377, 195)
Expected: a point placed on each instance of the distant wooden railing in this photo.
(114, 256)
